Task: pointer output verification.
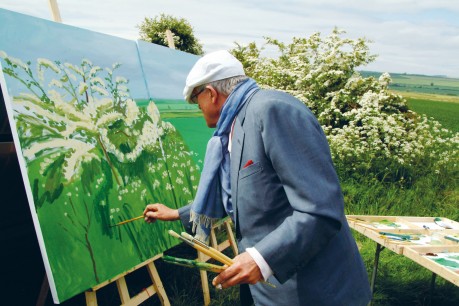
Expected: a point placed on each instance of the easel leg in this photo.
(229, 242)
(43, 292)
(123, 290)
(231, 239)
(379, 248)
(158, 285)
(91, 298)
(204, 282)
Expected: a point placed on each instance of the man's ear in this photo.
(213, 94)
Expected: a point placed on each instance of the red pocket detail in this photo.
(248, 164)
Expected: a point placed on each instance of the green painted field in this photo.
(195, 130)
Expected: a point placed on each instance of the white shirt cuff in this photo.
(261, 263)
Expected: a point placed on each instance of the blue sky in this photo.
(412, 36)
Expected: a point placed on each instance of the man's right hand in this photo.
(159, 211)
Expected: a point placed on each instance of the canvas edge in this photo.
(25, 178)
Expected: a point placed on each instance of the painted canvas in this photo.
(98, 137)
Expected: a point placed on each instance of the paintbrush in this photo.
(399, 236)
(127, 221)
(452, 238)
(194, 264)
(439, 222)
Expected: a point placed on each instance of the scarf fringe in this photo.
(200, 221)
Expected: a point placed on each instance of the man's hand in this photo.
(158, 211)
(244, 270)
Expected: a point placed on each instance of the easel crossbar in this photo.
(111, 280)
(126, 299)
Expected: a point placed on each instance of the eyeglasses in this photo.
(194, 97)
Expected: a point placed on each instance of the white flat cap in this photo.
(211, 67)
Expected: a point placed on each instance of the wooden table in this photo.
(432, 242)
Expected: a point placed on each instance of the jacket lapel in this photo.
(237, 146)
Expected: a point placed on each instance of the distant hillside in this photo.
(438, 85)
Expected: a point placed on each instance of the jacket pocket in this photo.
(252, 169)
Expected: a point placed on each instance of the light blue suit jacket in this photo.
(289, 206)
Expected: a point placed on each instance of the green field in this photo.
(446, 113)
(420, 83)
(434, 96)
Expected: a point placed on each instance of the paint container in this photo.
(436, 238)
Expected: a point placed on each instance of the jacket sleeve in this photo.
(298, 150)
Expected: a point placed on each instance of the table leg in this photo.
(432, 287)
(379, 248)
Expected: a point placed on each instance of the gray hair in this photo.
(226, 86)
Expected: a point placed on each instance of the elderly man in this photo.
(268, 166)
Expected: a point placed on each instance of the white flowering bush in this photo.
(370, 130)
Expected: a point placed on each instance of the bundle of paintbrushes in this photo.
(205, 249)
(202, 247)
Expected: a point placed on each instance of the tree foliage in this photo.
(371, 131)
(154, 30)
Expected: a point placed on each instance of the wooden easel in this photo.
(155, 288)
(229, 242)
(55, 10)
